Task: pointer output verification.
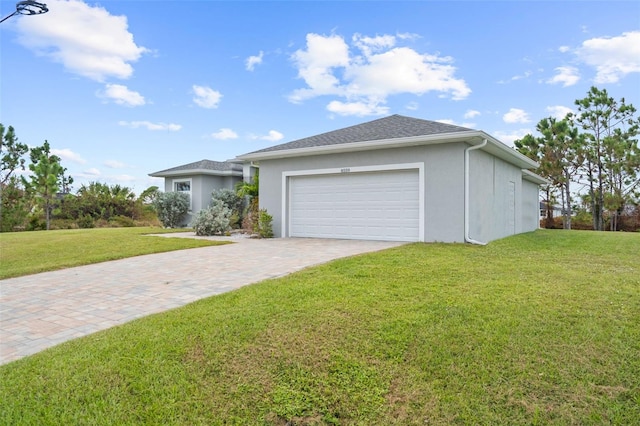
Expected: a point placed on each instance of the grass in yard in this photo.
(23, 253)
(540, 328)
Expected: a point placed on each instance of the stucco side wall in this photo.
(201, 188)
(443, 186)
(495, 198)
(530, 206)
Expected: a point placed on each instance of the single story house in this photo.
(398, 178)
(199, 180)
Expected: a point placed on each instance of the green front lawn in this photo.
(23, 253)
(541, 328)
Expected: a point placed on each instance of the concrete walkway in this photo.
(43, 310)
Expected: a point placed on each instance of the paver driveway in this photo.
(43, 310)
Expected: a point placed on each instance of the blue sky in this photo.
(121, 89)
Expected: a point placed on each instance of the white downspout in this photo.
(466, 193)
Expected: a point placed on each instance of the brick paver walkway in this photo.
(43, 310)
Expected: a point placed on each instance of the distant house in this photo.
(401, 179)
(199, 180)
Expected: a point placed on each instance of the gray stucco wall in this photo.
(201, 188)
(495, 197)
(530, 206)
(443, 186)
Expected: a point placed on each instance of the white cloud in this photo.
(509, 137)
(113, 164)
(273, 136)
(92, 172)
(378, 70)
(516, 115)
(412, 106)
(206, 97)
(121, 95)
(224, 134)
(568, 76)
(369, 45)
(523, 76)
(612, 57)
(252, 61)
(558, 111)
(471, 113)
(170, 127)
(122, 178)
(86, 40)
(564, 49)
(359, 109)
(315, 66)
(67, 154)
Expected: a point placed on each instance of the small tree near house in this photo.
(250, 191)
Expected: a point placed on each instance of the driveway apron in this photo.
(42, 310)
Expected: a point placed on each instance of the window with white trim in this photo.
(183, 185)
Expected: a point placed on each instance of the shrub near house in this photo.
(214, 220)
(171, 207)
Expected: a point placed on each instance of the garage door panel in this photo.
(376, 205)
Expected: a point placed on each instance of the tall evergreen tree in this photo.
(11, 153)
(12, 204)
(559, 153)
(46, 179)
(612, 155)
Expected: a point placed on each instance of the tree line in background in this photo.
(593, 153)
(42, 198)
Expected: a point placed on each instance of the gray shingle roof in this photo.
(392, 127)
(214, 166)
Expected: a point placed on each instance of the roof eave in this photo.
(532, 177)
(507, 153)
(494, 146)
(361, 146)
(196, 172)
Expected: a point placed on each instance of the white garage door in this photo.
(364, 206)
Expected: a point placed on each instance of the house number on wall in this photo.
(347, 170)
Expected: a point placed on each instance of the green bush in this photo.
(213, 220)
(122, 221)
(171, 208)
(86, 222)
(233, 202)
(264, 226)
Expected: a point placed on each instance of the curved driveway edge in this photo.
(42, 310)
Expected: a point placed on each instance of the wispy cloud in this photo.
(170, 127)
(252, 61)
(69, 155)
(516, 115)
(114, 164)
(567, 76)
(558, 111)
(508, 137)
(224, 134)
(206, 97)
(471, 113)
(272, 136)
(121, 95)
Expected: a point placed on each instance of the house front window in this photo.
(184, 185)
